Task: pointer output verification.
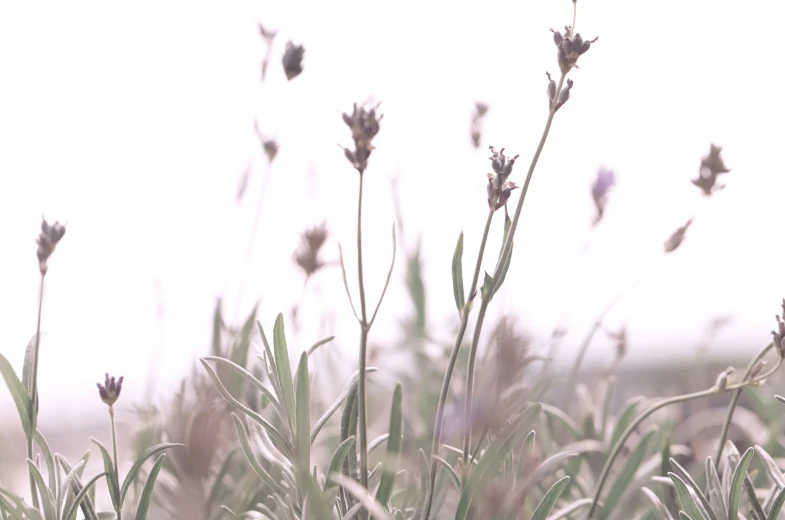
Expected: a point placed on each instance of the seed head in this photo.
(677, 238)
(724, 377)
(499, 188)
(307, 255)
(570, 48)
(110, 390)
(364, 125)
(47, 241)
(270, 149)
(712, 166)
(293, 60)
(476, 129)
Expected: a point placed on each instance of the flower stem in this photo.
(733, 402)
(616, 449)
(468, 401)
(34, 389)
(437, 426)
(362, 423)
(114, 451)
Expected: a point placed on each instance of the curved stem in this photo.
(34, 389)
(616, 449)
(468, 401)
(733, 402)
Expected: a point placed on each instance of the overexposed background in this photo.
(134, 123)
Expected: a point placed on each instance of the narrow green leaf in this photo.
(47, 499)
(629, 410)
(555, 414)
(218, 482)
(50, 460)
(695, 488)
(570, 509)
(336, 463)
(147, 492)
(349, 429)
(780, 398)
(275, 435)
(19, 395)
(547, 467)
(660, 509)
(776, 506)
(737, 484)
(494, 455)
(318, 344)
(303, 416)
(27, 373)
(134, 471)
(627, 473)
(361, 494)
(714, 487)
(81, 495)
(111, 476)
(283, 368)
(487, 287)
(454, 479)
(549, 500)
(218, 325)
(425, 486)
(394, 445)
(352, 383)
(687, 499)
(771, 467)
(457, 274)
(684, 516)
(506, 267)
(251, 457)
(251, 379)
(71, 477)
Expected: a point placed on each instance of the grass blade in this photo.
(134, 471)
(18, 393)
(394, 445)
(737, 484)
(147, 492)
(549, 500)
(283, 369)
(687, 499)
(303, 417)
(457, 275)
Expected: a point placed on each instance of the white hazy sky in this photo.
(134, 123)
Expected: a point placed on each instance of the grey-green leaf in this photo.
(303, 416)
(394, 445)
(776, 506)
(147, 492)
(19, 395)
(111, 481)
(549, 500)
(47, 499)
(737, 484)
(134, 471)
(627, 473)
(282, 366)
(688, 503)
(457, 274)
(336, 463)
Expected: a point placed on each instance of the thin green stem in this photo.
(362, 423)
(734, 401)
(119, 509)
(437, 427)
(468, 401)
(616, 449)
(34, 389)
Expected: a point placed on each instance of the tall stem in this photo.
(437, 426)
(119, 509)
(361, 391)
(616, 449)
(34, 389)
(468, 401)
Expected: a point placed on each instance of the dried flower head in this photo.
(499, 188)
(570, 48)
(675, 240)
(270, 149)
(364, 125)
(293, 60)
(480, 110)
(602, 185)
(620, 338)
(268, 37)
(712, 166)
(110, 390)
(47, 240)
(564, 95)
(307, 255)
